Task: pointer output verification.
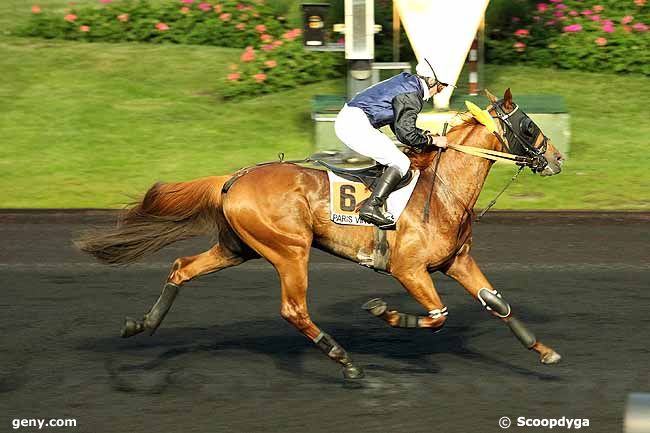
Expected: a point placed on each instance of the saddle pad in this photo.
(345, 195)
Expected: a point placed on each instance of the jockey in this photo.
(395, 102)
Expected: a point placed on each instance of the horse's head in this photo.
(523, 137)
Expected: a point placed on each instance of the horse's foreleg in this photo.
(465, 270)
(419, 285)
(183, 270)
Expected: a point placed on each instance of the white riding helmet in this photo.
(424, 69)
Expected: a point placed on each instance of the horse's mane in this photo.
(424, 159)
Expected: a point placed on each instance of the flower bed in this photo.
(592, 35)
(226, 23)
(277, 64)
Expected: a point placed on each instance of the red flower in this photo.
(162, 27)
(240, 7)
(542, 7)
(84, 29)
(234, 76)
(260, 28)
(248, 56)
(36, 9)
(259, 77)
(70, 18)
(598, 8)
(522, 33)
(519, 46)
(600, 41)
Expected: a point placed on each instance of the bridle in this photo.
(521, 134)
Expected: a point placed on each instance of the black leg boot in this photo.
(373, 211)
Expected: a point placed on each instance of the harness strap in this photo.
(492, 154)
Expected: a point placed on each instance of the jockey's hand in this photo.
(438, 141)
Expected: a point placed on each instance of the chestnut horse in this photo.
(280, 210)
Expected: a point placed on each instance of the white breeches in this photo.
(354, 129)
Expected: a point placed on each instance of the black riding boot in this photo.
(373, 211)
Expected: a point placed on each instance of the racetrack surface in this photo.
(225, 361)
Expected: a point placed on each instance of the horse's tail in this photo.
(167, 213)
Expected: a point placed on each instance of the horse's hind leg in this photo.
(465, 270)
(183, 270)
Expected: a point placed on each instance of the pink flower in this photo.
(268, 47)
(277, 43)
(515, 19)
(573, 13)
(587, 12)
(573, 28)
(608, 29)
(106, 1)
(519, 46)
(185, 10)
(639, 2)
(248, 56)
(271, 63)
(560, 6)
(259, 77)
(225, 17)
(36, 9)
(291, 34)
(205, 7)
(162, 27)
(218, 8)
(595, 17)
(260, 28)
(522, 33)
(627, 19)
(233, 76)
(84, 29)
(240, 26)
(124, 17)
(241, 7)
(640, 27)
(600, 41)
(542, 7)
(555, 1)
(558, 14)
(70, 18)
(550, 22)
(187, 2)
(598, 8)
(266, 38)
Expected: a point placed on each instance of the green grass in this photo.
(82, 125)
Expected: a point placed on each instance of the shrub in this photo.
(279, 64)
(595, 35)
(227, 23)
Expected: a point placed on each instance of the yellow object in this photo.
(482, 116)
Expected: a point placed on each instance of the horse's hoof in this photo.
(375, 306)
(131, 327)
(551, 357)
(352, 372)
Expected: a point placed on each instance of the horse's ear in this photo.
(490, 96)
(507, 100)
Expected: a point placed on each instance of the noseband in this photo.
(522, 133)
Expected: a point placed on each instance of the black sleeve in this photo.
(406, 107)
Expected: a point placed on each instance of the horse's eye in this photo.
(528, 127)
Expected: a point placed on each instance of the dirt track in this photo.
(225, 361)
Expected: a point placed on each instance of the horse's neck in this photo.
(463, 174)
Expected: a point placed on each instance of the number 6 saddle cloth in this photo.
(346, 193)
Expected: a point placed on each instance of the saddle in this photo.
(366, 175)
